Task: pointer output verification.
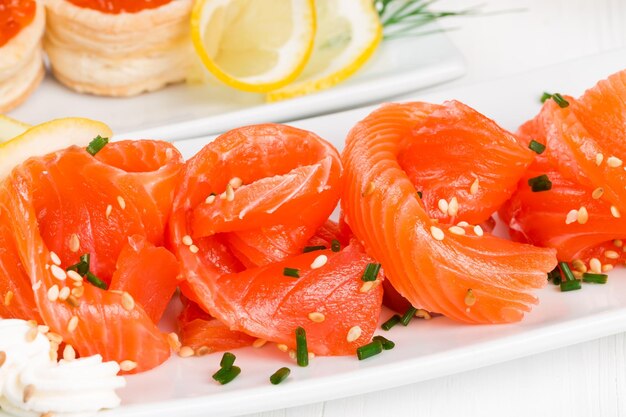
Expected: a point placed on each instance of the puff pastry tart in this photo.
(22, 23)
(118, 47)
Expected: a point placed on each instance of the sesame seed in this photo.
(597, 193)
(579, 265)
(470, 298)
(210, 199)
(187, 240)
(3, 358)
(43, 329)
(194, 249)
(55, 258)
(353, 334)
(443, 206)
(292, 354)
(53, 293)
(72, 301)
(31, 334)
(58, 272)
(615, 212)
(54, 338)
(235, 182)
(317, 317)
(611, 254)
(311, 355)
(258, 343)
(423, 314)
(599, 158)
(607, 267)
(453, 207)
(32, 323)
(37, 285)
(74, 276)
(457, 230)
(436, 232)
(478, 230)
(174, 341)
(367, 286)
(121, 202)
(474, 186)
(8, 297)
(369, 189)
(127, 365)
(282, 348)
(595, 265)
(185, 352)
(29, 391)
(74, 243)
(582, 215)
(108, 211)
(571, 217)
(64, 293)
(53, 354)
(319, 262)
(128, 302)
(618, 243)
(72, 324)
(230, 193)
(203, 350)
(462, 224)
(577, 274)
(614, 161)
(69, 354)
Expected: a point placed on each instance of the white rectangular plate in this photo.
(184, 111)
(424, 349)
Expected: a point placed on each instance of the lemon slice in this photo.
(10, 128)
(49, 137)
(348, 33)
(254, 45)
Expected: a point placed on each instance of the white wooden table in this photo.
(583, 380)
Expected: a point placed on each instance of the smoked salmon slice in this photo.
(459, 271)
(55, 208)
(286, 179)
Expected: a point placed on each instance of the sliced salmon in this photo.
(459, 271)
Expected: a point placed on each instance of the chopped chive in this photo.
(555, 276)
(569, 276)
(225, 375)
(335, 246)
(291, 272)
(393, 320)
(308, 249)
(228, 360)
(540, 183)
(570, 283)
(560, 100)
(302, 353)
(387, 344)
(537, 147)
(94, 280)
(595, 278)
(371, 272)
(279, 376)
(82, 266)
(419, 194)
(369, 350)
(545, 97)
(408, 315)
(97, 144)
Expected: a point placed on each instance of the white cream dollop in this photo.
(33, 384)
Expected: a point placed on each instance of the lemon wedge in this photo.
(10, 128)
(348, 33)
(254, 45)
(49, 137)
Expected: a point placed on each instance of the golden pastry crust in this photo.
(118, 54)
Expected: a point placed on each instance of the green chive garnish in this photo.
(291, 272)
(82, 266)
(393, 320)
(537, 147)
(371, 272)
(545, 97)
(228, 360)
(540, 183)
(386, 343)
(279, 376)
(335, 246)
(369, 350)
(308, 249)
(570, 283)
(97, 144)
(555, 276)
(225, 375)
(408, 315)
(302, 353)
(560, 100)
(595, 278)
(94, 280)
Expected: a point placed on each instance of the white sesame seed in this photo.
(72, 324)
(453, 207)
(282, 348)
(369, 189)
(54, 338)
(31, 334)
(235, 182)
(595, 265)
(74, 243)
(582, 215)
(69, 354)
(74, 276)
(457, 230)
(319, 262)
(311, 355)
(611, 254)
(462, 224)
(579, 265)
(618, 242)
(127, 365)
(55, 258)
(478, 230)
(174, 341)
(423, 314)
(230, 193)
(259, 343)
(437, 233)
(128, 302)
(187, 240)
(43, 329)
(571, 217)
(353, 334)
(615, 212)
(607, 267)
(108, 211)
(474, 186)
(58, 272)
(367, 286)
(29, 391)
(78, 291)
(37, 285)
(470, 298)
(443, 206)
(64, 293)
(597, 193)
(613, 161)
(292, 354)
(599, 158)
(53, 293)
(577, 274)
(121, 202)
(194, 249)
(185, 352)
(210, 199)
(317, 317)
(8, 297)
